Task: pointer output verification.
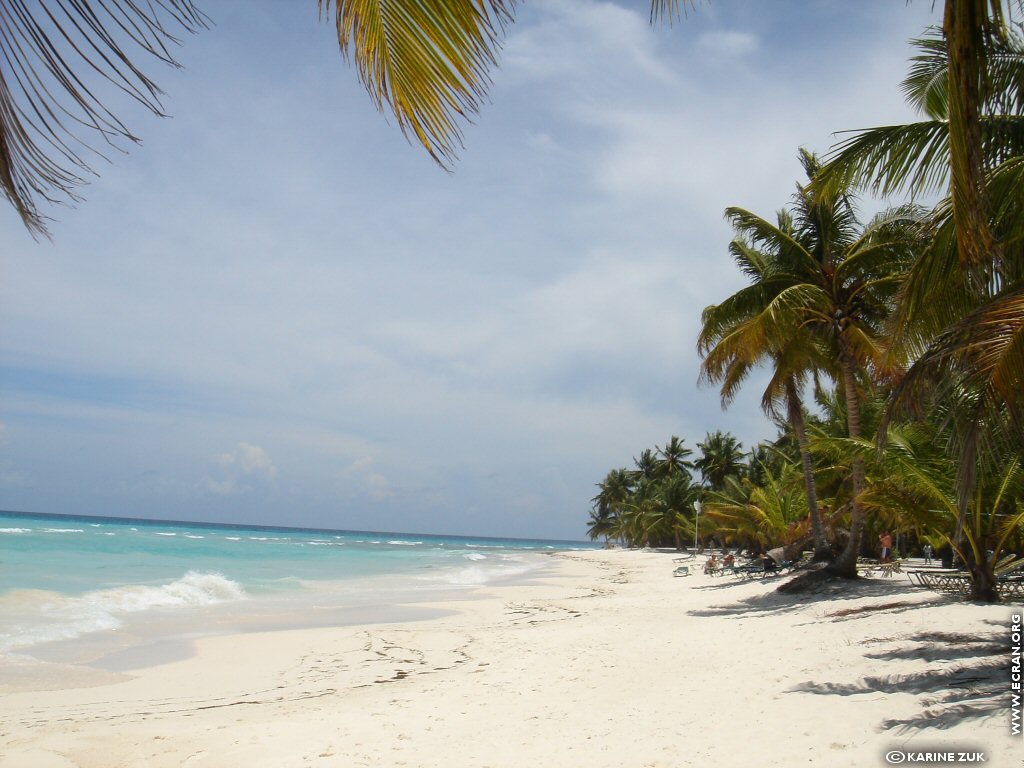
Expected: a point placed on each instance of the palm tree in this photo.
(666, 509)
(721, 457)
(918, 485)
(602, 523)
(610, 510)
(736, 336)
(769, 515)
(46, 110)
(961, 310)
(426, 62)
(834, 278)
(672, 459)
(648, 466)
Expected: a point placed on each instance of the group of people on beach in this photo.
(713, 563)
(728, 560)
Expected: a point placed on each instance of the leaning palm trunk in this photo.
(846, 563)
(822, 550)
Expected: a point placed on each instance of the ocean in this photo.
(117, 593)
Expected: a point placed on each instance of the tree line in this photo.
(907, 328)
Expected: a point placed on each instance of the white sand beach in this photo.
(608, 662)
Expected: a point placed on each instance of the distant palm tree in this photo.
(648, 466)
(771, 515)
(672, 459)
(666, 509)
(721, 457)
(602, 524)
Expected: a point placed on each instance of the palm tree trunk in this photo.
(822, 550)
(965, 27)
(846, 564)
(983, 577)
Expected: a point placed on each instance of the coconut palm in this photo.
(737, 335)
(648, 466)
(772, 514)
(665, 509)
(47, 110)
(426, 62)
(961, 310)
(602, 523)
(672, 458)
(721, 457)
(917, 485)
(834, 278)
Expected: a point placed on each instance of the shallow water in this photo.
(117, 594)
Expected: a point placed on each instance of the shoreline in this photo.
(605, 660)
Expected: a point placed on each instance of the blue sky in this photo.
(275, 310)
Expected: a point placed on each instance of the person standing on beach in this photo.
(928, 554)
(886, 541)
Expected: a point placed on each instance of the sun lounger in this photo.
(868, 567)
(756, 570)
(682, 570)
(959, 582)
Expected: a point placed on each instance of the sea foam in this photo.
(41, 617)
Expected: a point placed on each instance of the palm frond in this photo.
(978, 360)
(427, 61)
(667, 11)
(926, 86)
(61, 60)
(891, 159)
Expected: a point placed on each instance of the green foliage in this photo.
(650, 505)
(721, 458)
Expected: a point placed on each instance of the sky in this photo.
(276, 310)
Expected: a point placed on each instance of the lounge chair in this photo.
(959, 582)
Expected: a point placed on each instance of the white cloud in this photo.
(241, 470)
(249, 460)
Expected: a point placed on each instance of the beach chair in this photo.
(758, 569)
(866, 566)
(948, 581)
(682, 570)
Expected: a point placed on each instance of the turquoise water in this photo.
(100, 584)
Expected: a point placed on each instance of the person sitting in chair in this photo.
(711, 564)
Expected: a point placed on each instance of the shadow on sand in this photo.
(775, 602)
(973, 687)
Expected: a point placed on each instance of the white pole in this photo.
(696, 524)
